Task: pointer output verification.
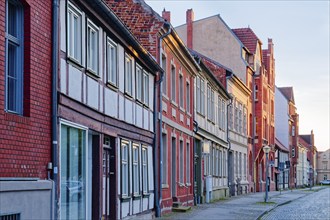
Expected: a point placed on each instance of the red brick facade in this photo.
(25, 141)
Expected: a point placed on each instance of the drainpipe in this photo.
(158, 186)
(54, 100)
(228, 140)
(253, 133)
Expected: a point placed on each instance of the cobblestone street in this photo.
(313, 206)
(301, 204)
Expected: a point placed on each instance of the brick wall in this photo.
(25, 141)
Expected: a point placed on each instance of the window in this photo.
(164, 82)
(219, 113)
(325, 177)
(210, 103)
(256, 93)
(112, 72)
(245, 166)
(240, 164)
(136, 175)
(74, 33)
(128, 75)
(293, 132)
(73, 172)
(236, 118)
(164, 159)
(188, 164)
(145, 169)
(230, 116)
(224, 164)
(240, 119)
(181, 90)
(293, 152)
(220, 163)
(181, 162)
(92, 47)
(202, 105)
(324, 165)
(124, 169)
(224, 118)
(139, 83)
(14, 57)
(200, 96)
(173, 88)
(188, 97)
(244, 123)
(214, 160)
(145, 88)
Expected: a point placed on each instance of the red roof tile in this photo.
(140, 19)
(248, 38)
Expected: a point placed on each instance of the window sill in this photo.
(75, 63)
(92, 74)
(174, 103)
(125, 198)
(182, 109)
(200, 114)
(136, 197)
(112, 86)
(165, 186)
(146, 195)
(188, 184)
(127, 95)
(165, 97)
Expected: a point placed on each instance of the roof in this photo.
(305, 138)
(288, 93)
(145, 24)
(140, 19)
(280, 145)
(202, 62)
(108, 14)
(248, 38)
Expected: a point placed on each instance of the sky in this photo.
(300, 33)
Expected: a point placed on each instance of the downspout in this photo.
(253, 133)
(54, 100)
(228, 140)
(159, 166)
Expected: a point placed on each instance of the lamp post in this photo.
(266, 150)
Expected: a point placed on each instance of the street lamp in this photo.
(266, 150)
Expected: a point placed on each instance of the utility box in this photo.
(208, 186)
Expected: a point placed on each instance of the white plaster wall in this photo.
(75, 85)
(281, 118)
(92, 93)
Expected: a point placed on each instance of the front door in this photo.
(108, 179)
(174, 167)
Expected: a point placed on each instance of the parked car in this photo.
(325, 182)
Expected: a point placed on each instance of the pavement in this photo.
(249, 206)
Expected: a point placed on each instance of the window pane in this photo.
(92, 48)
(74, 33)
(73, 173)
(12, 20)
(146, 88)
(165, 73)
(139, 86)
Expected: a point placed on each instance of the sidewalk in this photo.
(247, 207)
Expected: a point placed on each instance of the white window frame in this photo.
(124, 146)
(112, 62)
(136, 169)
(145, 172)
(224, 119)
(128, 75)
(92, 43)
(219, 113)
(74, 40)
(145, 88)
(14, 94)
(209, 102)
(139, 82)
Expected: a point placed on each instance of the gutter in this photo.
(55, 11)
(159, 166)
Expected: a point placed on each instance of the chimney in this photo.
(189, 19)
(166, 15)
